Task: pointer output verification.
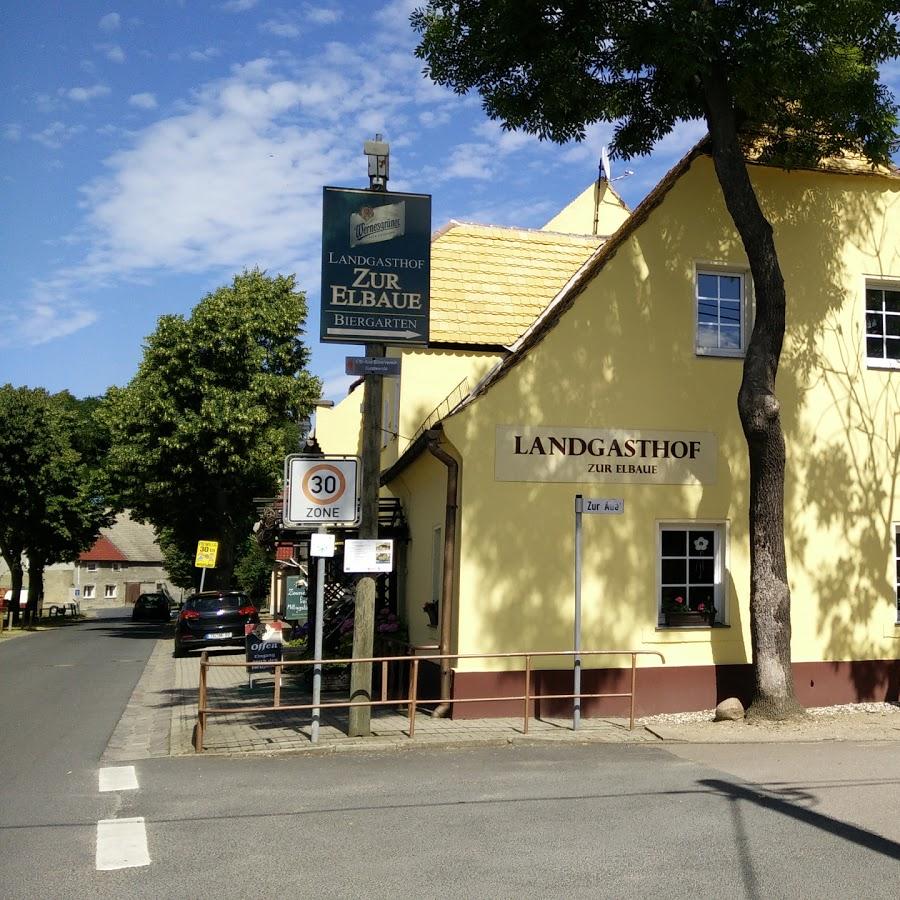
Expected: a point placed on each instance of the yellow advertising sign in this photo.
(207, 551)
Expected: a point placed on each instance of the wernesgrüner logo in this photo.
(374, 224)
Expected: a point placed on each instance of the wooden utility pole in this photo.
(360, 717)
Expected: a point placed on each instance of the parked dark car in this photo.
(213, 619)
(151, 608)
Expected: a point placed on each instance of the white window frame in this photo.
(117, 567)
(720, 558)
(897, 572)
(91, 566)
(883, 284)
(110, 592)
(437, 564)
(88, 592)
(702, 268)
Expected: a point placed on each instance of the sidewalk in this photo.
(162, 712)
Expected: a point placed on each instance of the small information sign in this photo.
(296, 603)
(321, 544)
(388, 366)
(368, 556)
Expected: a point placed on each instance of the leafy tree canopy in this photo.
(53, 506)
(203, 427)
(802, 76)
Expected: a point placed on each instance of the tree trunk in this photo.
(35, 588)
(759, 410)
(14, 561)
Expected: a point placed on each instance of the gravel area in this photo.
(817, 712)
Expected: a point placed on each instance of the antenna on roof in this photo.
(605, 171)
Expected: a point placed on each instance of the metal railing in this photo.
(411, 701)
(456, 396)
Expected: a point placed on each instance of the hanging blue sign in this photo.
(376, 267)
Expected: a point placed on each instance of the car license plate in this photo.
(215, 636)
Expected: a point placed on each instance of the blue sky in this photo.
(153, 149)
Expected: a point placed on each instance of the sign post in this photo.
(321, 547)
(207, 551)
(601, 506)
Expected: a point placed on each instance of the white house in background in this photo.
(125, 561)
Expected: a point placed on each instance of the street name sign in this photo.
(373, 365)
(376, 267)
(321, 490)
(603, 506)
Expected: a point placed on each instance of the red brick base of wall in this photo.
(671, 688)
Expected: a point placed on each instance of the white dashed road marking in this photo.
(121, 844)
(118, 778)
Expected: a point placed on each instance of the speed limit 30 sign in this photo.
(321, 490)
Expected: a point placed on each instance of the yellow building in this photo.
(625, 387)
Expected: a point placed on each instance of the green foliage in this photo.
(52, 506)
(802, 77)
(253, 570)
(203, 427)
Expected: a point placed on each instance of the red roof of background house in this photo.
(104, 550)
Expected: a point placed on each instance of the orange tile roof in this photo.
(488, 283)
(104, 550)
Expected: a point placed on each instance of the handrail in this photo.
(411, 701)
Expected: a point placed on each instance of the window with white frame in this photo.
(117, 567)
(437, 569)
(691, 571)
(92, 567)
(721, 312)
(109, 592)
(883, 325)
(88, 591)
(897, 568)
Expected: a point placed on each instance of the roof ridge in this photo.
(587, 238)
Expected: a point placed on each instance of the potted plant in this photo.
(431, 610)
(678, 614)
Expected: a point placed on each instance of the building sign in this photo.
(604, 455)
(369, 556)
(376, 267)
(296, 607)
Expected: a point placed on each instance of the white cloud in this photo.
(323, 15)
(236, 6)
(115, 54)
(204, 55)
(56, 134)
(110, 22)
(84, 94)
(280, 29)
(12, 131)
(143, 101)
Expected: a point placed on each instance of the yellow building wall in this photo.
(624, 356)
(339, 429)
(578, 216)
(422, 489)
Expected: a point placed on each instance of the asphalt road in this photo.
(606, 820)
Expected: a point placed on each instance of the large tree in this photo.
(53, 505)
(793, 82)
(204, 426)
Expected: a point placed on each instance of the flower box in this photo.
(687, 619)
